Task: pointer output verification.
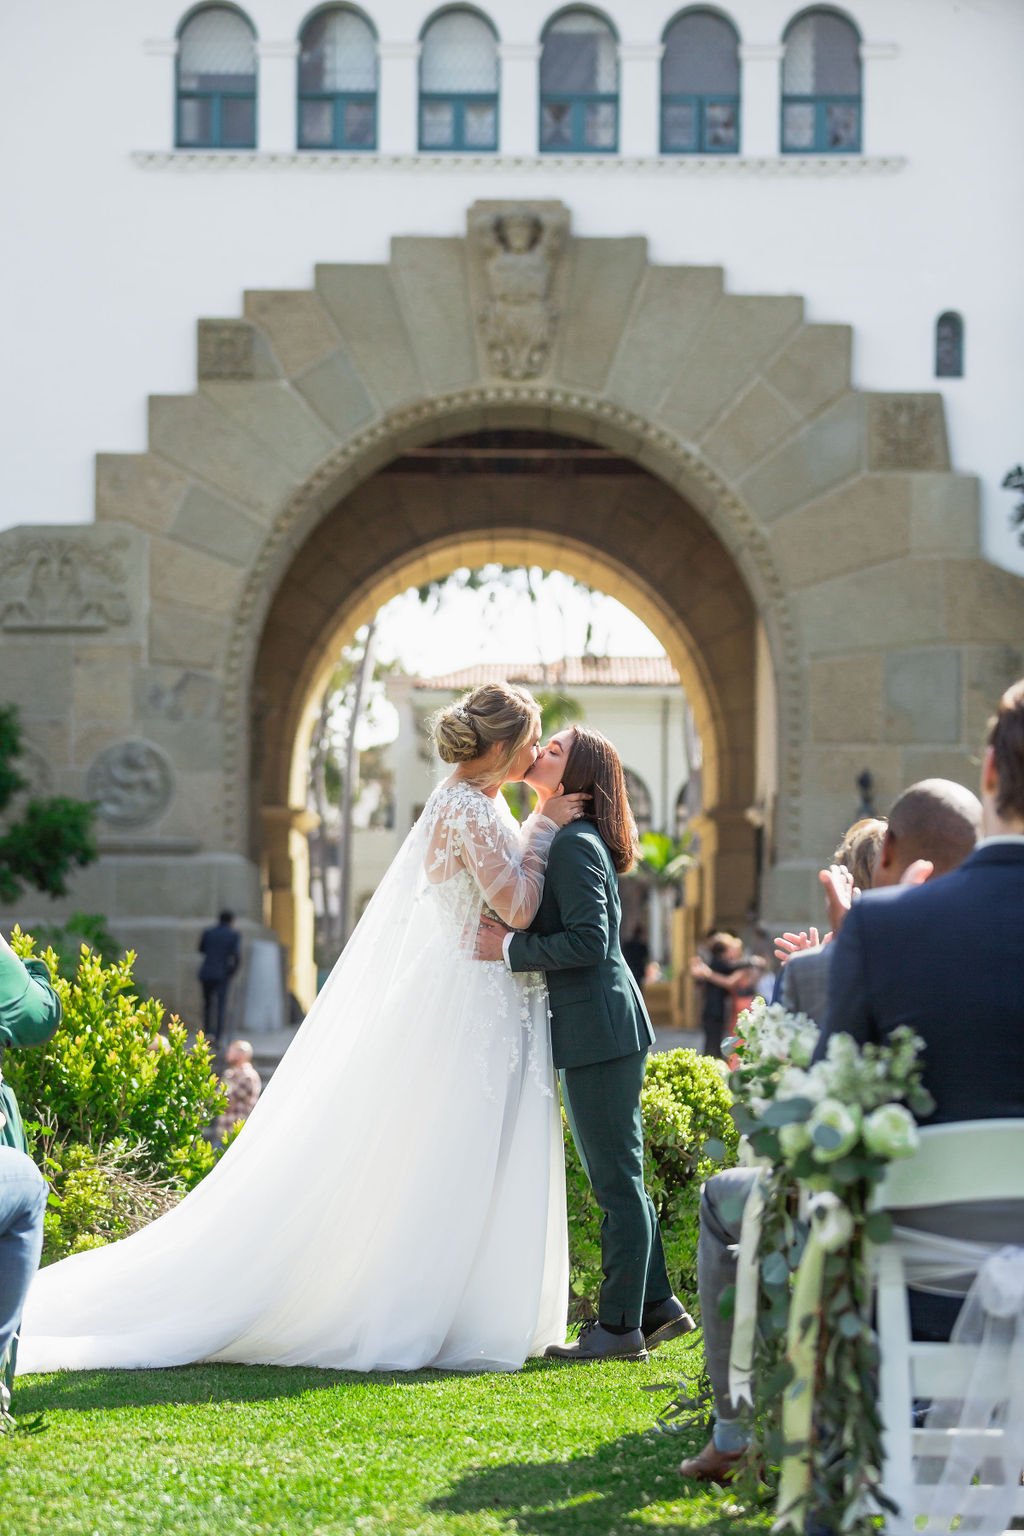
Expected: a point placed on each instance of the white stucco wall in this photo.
(108, 259)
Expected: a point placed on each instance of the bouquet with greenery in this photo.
(824, 1133)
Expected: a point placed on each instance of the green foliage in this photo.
(664, 860)
(1014, 481)
(39, 848)
(66, 939)
(96, 1194)
(100, 1078)
(685, 1104)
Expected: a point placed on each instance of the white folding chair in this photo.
(963, 1163)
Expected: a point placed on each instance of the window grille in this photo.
(459, 83)
(700, 86)
(821, 86)
(949, 346)
(216, 94)
(579, 86)
(337, 82)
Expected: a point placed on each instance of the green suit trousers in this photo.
(602, 1105)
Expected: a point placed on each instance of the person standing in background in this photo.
(221, 949)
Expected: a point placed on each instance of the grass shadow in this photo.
(95, 1391)
(609, 1492)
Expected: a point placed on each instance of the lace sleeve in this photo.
(506, 862)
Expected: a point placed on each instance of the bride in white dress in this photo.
(396, 1199)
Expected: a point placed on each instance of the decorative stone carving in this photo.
(132, 783)
(57, 582)
(515, 264)
(906, 432)
(225, 350)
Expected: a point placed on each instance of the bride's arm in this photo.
(506, 861)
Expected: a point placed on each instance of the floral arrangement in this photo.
(823, 1132)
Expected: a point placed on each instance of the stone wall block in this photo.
(759, 420)
(432, 280)
(945, 515)
(671, 306)
(193, 579)
(846, 699)
(138, 488)
(814, 368)
(829, 450)
(233, 349)
(988, 672)
(104, 683)
(738, 336)
(296, 324)
(191, 432)
(603, 279)
(902, 603)
(150, 886)
(337, 394)
(923, 696)
(187, 637)
(38, 679)
(279, 419)
(830, 795)
(364, 306)
(906, 432)
(864, 522)
(983, 603)
(218, 527)
(961, 764)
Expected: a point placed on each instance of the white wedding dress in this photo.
(397, 1198)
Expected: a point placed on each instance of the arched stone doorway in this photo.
(549, 500)
(788, 500)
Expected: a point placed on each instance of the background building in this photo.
(717, 309)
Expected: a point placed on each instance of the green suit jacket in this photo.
(30, 1012)
(597, 1011)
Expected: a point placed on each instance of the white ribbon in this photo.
(991, 1323)
(744, 1327)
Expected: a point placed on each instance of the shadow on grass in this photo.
(608, 1492)
(93, 1391)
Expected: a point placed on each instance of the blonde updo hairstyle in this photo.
(494, 712)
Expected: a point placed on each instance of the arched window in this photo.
(337, 81)
(700, 86)
(216, 105)
(821, 89)
(579, 85)
(682, 810)
(949, 346)
(639, 800)
(459, 83)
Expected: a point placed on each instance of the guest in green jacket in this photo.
(600, 1036)
(30, 1012)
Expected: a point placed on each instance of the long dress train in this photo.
(396, 1199)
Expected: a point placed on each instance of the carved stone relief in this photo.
(54, 582)
(132, 783)
(906, 432)
(516, 255)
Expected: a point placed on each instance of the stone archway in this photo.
(132, 645)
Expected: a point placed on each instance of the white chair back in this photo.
(964, 1164)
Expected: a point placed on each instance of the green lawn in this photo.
(553, 1451)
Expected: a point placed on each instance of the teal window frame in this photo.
(340, 100)
(458, 101)
(821, 105)
(700, 103)
(216, 98)
(578, 102)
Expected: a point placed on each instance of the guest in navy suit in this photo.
(947, 960)
(221, 949)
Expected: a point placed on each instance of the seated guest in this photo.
(23, 1194)
(937, 821)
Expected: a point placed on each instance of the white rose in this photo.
(891, 1131)
(795, 1083)
(794, 1138)
(831, 1221)
(845, 1123)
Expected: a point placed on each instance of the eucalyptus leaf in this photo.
(788, 1112)
(878, 1227)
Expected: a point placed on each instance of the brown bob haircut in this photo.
(594, 767)
(1006, 738)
